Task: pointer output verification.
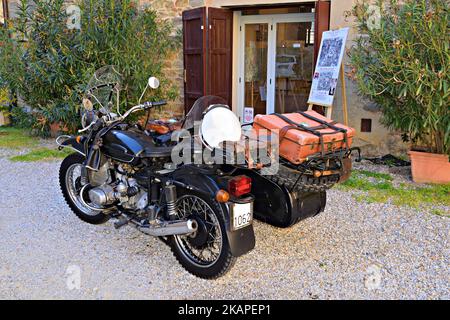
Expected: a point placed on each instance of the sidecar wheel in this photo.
(69, 180)
(207, 253)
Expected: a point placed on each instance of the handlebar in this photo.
(139, 107)
(159, 103)
(149, 104)
(145, 106)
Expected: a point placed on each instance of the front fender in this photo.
(72, 143)
(241, 241)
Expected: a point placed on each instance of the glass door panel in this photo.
(294, 65)
(255, 66)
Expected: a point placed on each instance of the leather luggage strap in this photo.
(296, 126)
(330, 125)
(312, 130)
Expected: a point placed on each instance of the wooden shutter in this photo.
(321, 24)
(219, 63)
(4, 5)
(194, 50)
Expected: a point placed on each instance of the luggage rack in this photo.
(319, 157)
(312, 167)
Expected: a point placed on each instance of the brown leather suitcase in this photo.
(305, 134)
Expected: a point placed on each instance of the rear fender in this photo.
(241, 241)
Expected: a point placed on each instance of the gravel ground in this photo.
(352, 251)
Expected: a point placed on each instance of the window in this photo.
(366, 125)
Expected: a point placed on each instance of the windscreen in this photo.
(102, 88)
(199, 107)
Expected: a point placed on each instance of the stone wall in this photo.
(172, 10)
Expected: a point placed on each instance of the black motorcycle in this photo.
(203, 209)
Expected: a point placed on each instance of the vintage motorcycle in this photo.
(203, 211)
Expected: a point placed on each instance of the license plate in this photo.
(242, 215)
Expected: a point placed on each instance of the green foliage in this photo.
(42, 154)
(136, 42)
(4, 100)
(48, 65)
(41, 68)
(403, 66)
(23, 119)
(16, 138)
(378, 187)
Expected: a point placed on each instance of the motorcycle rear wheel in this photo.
(207, 253)
(70, 183)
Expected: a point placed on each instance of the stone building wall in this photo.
(172, 10)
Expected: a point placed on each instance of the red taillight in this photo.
(240, 185)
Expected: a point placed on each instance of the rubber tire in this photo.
(226, 259)
(75, 158)
(288, 177)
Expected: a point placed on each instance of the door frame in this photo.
(272, 20)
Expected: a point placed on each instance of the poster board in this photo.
(328, 66)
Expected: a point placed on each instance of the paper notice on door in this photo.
(249, 114)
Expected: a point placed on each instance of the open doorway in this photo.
(276, 58)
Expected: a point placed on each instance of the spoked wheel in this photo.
(73, 189)
(205, 253)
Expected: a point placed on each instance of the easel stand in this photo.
(329, 109)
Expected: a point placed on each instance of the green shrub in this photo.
(48, 65)
(403, 66)
(41, 68)
(4, 100)
(135, 41)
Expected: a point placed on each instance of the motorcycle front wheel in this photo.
(71, 186)
(206, 253)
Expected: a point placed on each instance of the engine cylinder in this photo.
(102, 196)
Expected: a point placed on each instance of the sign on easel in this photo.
(328, 66)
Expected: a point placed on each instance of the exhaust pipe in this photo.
(169, 228)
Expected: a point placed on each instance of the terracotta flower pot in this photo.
(56, 128)
(430, 167)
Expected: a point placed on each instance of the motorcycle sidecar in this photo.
(280, 207)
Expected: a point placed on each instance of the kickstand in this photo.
(164, 240)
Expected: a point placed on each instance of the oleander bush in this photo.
(401, 61)
(4, 100)
(47, 65)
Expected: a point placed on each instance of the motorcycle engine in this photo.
(124, 190)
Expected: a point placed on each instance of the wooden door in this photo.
(194, 51)
(321, 24)
(219, 62)
(207, 46)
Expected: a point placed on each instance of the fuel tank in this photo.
(129, 146)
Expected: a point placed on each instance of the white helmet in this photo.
(219, 124)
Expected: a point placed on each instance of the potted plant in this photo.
(400, 61)
(57, 118)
